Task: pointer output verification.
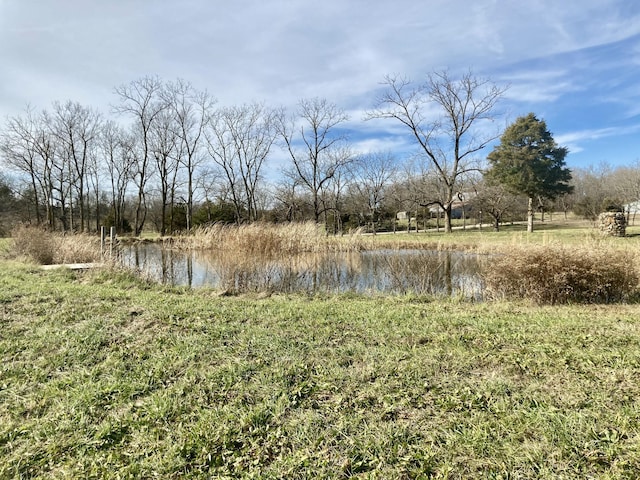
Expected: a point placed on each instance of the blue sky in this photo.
(573, 63)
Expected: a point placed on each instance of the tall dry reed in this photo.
(261, 239)
(553, 274)
(45, 248)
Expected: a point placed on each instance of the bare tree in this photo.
(10, 205)
(119, 157)
(332, 197)
(76, 130)
(26, 148)
(397, 199)
(142, 100)
(317, 147)
(372, 176)
(55, 151)
(239, 140)
(213, 188)
(594, 189)
(496, 201)
(420, 186)
(449, 139)
(95, 175)
(191, 109)
(35, 151)
(288, 201)
(163, 146)
(627, 182)
(59, 175)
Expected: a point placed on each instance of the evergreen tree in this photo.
(528, 161)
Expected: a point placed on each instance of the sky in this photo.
(574, 63)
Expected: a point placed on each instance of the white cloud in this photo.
(589, 135)
(579, 141)
(280, 51)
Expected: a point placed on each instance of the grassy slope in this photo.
(103, 376)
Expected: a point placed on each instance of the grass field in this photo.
(567, 232)
(104, 376)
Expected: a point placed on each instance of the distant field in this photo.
(572, 231)
(105, 376)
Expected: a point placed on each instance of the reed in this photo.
(46, 248)
(268, 239)
(550, 274)
(435, 273)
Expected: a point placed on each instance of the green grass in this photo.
(104, 376)
(570, 232)
(5, 246)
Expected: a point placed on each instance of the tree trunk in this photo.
(163, 217)
(447, 219)
(530, 215)
(190, 200)
(97, 210)
(141, 214)
(373, 221)
(36, 198)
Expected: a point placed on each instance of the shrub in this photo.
(561, 274)
(33, 243)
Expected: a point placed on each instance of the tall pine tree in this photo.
(528, 161)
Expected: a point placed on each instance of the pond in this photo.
(369, 272)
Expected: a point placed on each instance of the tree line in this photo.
(172, 158)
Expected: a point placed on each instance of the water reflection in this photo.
(380, 271)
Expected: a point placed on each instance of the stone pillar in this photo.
(613, 224)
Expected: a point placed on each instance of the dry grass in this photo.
(561, 274)
(48, 248)
(269, 239)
